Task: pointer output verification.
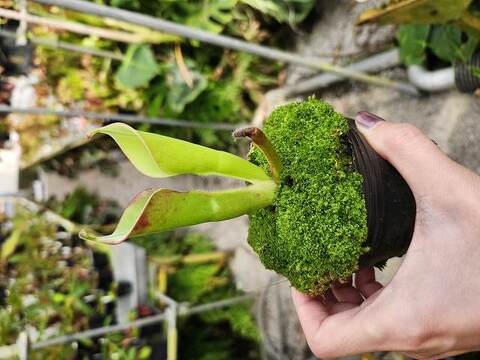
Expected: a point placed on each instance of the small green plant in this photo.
(305, 200)
(450, 30)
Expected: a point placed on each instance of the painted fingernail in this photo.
(367, 120)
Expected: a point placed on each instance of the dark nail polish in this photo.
(367, 119)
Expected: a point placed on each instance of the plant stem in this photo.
(259, 138)
(75, 27)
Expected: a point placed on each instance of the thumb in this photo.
(414, 155)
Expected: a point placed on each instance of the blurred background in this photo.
(67, 67)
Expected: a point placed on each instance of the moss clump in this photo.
(315, 230)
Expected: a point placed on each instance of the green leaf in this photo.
(412, 40)
(213, 15)
(160, 156)
(162, 209)
(445, 42)
(179, 92)
(144, 353)
(476, 71)
(10, 244)
(468, 48)
(286, 11)
(138, 67)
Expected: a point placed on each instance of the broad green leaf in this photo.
(161, 156)
(416, 12)
(10, 244)
(138, 67)
(162, 209)
(446, 43)
(179, 92)
(476, 71)
(412, 40)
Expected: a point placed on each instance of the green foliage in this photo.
(285, 11)
(112, 347)
(412, 40)
(180, 92)
(447, 42)
(191, 282)
(315, 231)
(212, 16)
(450, 29)
(221, 329)
(84, 207)
(227, 333)
(138, 67)
(45, 281)
(226, 86)
(44, 286)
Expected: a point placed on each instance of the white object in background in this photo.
(129, 263)
(23, 93)
(9, 169)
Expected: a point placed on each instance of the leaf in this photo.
(476, 71)
(446, 43)
(179, 92)
(412, 40)
(159, 210)
(287, 11)
(160, 156)
(470, 23)
(10, 244)
(468, 48)
(138, 67)
(416, 12)
(213, 15)
(144, 353)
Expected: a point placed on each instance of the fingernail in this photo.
(367, 120)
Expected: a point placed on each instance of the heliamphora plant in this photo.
(304, 198)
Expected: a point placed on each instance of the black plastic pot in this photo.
(390, 203)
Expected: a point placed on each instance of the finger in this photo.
(311, 311)
(365, 282)
(346, 293)
(328, 299)
(342, 306)
(413, 154)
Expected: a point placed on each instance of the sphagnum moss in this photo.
(314, 232)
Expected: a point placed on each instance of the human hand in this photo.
(431, 308)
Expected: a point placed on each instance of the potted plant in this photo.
(321, 202)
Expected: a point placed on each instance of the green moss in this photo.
(314, 232)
